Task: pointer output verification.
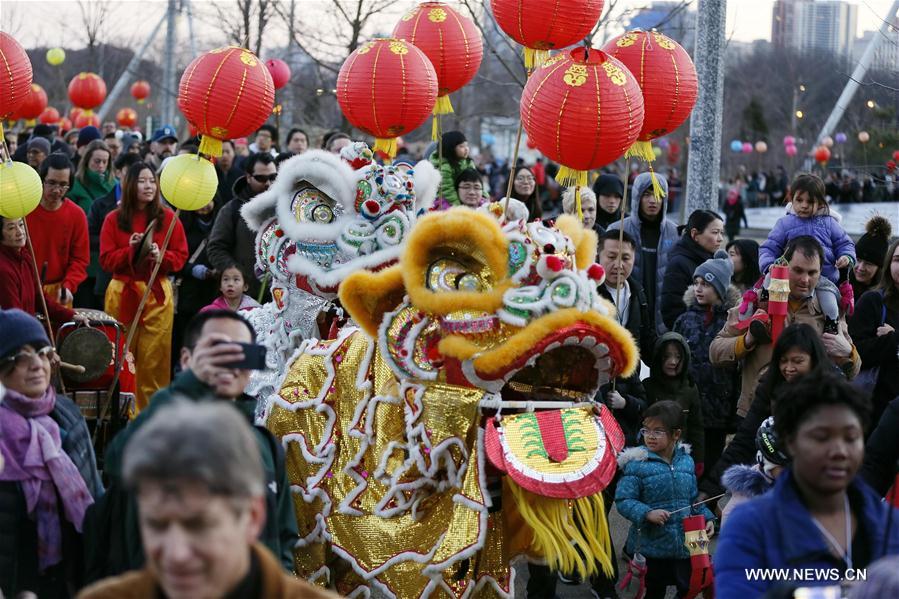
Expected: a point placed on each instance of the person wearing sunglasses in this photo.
(49, 476)
(231, 240)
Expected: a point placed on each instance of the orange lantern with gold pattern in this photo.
(666, 76)
(387, 87)
(34, 103)
(15, 77)
(126, 117)
(225, 93)
(582, 109)
(451, 42)
(544, 25)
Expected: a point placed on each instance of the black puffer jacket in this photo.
(882, 451)
(232, 241)
(639, 323)
(682, 262)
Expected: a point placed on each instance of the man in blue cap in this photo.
(163, 144)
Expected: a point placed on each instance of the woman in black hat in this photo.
(870, 251)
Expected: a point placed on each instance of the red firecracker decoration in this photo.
(87, 118)
(15, 77)
(582, 112)
(451, 42)
(226, 93)
(667, 77)
(702, 579)
(34, 103)
(822, 154)
(140, 91)
(386, 88)
(49, 116)
(126, 117)
(544, 25)
(279, 71)
(87, 90)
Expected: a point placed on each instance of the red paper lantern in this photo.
(126, 117)
(891, 166)
(49, 116)
(896, 155)
(582, 112)
(140, 91)
(822, 154)
(87, 90)
(34, 103)
(279, 71)
(86, 119)
(226, 93)
(667, 77)
(65, 125)
(74, 113)
(544, 25)
(15, 77)
(387, 87)
(530, 144)
(451, 42)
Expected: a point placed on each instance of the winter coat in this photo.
(633, 225)
(777, 531)
(718, 387)
(19, 288)
(743, 483)
(650, 483)
(877, 351)
(18, 532)
(195, 293)
(882, 451)
(728, 348)
(823, 227)
(640, 323)
(274, 583)
(95, 186)
(681, 389)
(686, 256)
(630, 416)
(112, 523)
(734, 212)
(232, 241)
(95, 217)
(448, 174)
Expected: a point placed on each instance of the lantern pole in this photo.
(512, 163)
(132, 328)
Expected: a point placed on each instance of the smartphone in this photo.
(253, 357)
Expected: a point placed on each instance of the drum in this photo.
(97, 347)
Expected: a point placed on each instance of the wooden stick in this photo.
(512, 163)
(692, 505)
(73, 367)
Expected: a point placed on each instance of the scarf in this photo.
(32, 449)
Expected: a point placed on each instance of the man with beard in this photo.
(162, 145)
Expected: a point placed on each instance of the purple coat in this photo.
(823, 227)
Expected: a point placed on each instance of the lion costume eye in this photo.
(446, 274)
(310, 205)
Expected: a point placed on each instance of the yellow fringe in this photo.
(2, 135)
(568, 177)
(573, 535)
(657, 190)
(443, 105)
(385, 145)
(534, 59)
(435, 128)
(641, 150)
(210, 146)
(577, 202)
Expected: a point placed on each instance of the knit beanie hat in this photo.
(872, 246)
(717, 272)
(87, 135)
(20, 329)
(608, 185)
(449, 141)
(43, 145)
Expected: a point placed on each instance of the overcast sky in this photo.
(48, 23)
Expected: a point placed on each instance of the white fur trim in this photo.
(427, 182)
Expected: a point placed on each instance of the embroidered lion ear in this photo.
(584, 240)
(456, 260)
(367, 296)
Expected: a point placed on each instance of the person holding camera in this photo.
(219, 352)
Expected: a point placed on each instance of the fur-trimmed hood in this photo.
(642, 453)
(749, 481)
(733, 297)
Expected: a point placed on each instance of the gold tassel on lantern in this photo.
(210, 146)
(571, 534)
(443, 106)
(534, 59)
(568, 177)
(641, 150)
(385, 145)
(657, 190)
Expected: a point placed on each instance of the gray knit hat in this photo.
(717, 272)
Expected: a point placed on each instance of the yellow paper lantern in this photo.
(56, 56)
(20, 189)
(188, 182)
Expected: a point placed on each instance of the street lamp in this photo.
(799, 114)
(871, 103)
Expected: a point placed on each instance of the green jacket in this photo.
(84, 194)
(448, 176)
(112, 536)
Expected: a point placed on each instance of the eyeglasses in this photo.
(467, 187)
(265, 178)
(56, 185)
(24, 357)
(656, 433)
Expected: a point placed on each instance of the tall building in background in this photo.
(670, 18)
(886, 58)
(810, 25)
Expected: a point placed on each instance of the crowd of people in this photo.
(796, 427)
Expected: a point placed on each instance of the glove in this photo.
(199, 271)
(699, 468)
(847, 298)
(750, 300)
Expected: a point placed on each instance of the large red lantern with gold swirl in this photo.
(544, 25)
(451, 42)
(225, 93)
(667, 77)
(126, 117)
(87, 90)
(15, 77)
(140, 91)
(582, 109)
(34, 103)
(386, 88)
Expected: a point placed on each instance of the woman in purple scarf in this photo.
(49, 474)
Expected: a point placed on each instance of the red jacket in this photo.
(19, 289)
(60, 241)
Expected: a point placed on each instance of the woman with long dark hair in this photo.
(131, 259)
(524, 188)
(744, 253)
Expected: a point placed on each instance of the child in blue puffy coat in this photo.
(656, 492)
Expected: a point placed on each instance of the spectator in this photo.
(744, 254)
(48, 472)
(94, 178)
(524, 189)
(804, 257)
(38, 150)
(469, 189)
(266, 141)
(85, 137)
(163, 144)
(609, 191)
(228, 172)
(819, 514)
(58, 230)
(702, 237)
(210, 345)
(335, 141)
(231, 240)
(734, 212)
(297, 141)
(200, 506)
(233, 291)
(130, 258)
(655, 236)
(108, 127)
(588, 206)
(452, 159)
(870, 251)
(882, 454)
(114, 143)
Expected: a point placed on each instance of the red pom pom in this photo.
(596, 272)
(554, 263)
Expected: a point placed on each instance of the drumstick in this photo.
(73, 367)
